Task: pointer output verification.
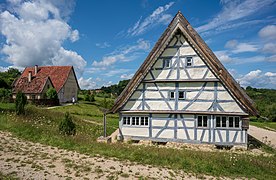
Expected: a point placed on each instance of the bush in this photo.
(20, 103)
(51, 93)
(5, 95)
(67, 126)
(89, 97)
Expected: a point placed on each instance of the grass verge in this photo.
(40, 125)
(265, 125)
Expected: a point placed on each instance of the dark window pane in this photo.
(167, 63)
(218, 121)
(142, 121)
(189, 61)
(223, 123)
(231, 121)
(172, 95)
(237, 122)
(128, 120)
(181, 94)
(137, 120)
(205, 122)
(199, 121)
(124, 120)
(133, 121)
(146, 121)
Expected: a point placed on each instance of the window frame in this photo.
(233, 126)
(184, 95)
(135, 121)
(167, 62)
(202, 121)
(170, 93)
(190, 58)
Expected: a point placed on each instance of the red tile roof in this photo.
(57, 74)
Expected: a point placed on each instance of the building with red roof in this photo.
(35, 81)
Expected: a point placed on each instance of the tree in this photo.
(51, 93)
(5, 95)
(67, 126)
(20, 103)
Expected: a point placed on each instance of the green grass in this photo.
(265, 125)
(41, 125)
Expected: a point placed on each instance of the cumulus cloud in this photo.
(158, 16)
(35, 32)
(268, 32)
(124, 54)
(258, 79)
(237, 47)
(87, 83)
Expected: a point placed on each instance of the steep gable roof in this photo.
(179, 23)
(57, 74)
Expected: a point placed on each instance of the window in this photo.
(189, 61)
(181, 95)
(167, 63)
(171, 94)
(133, 121)
(142, 121)
(233, 122)
(202, 121)
(136, 121)
(146, 121)
(237, 122)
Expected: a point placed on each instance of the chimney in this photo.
(35, 69)
(30, 76)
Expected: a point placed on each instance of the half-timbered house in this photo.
(183, 93)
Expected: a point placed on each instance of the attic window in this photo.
(189, 61)
(166, 63)
(181, 95)
(171, 94)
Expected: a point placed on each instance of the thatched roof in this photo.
(180, 23)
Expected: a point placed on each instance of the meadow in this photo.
(40, 124)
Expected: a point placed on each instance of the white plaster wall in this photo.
(169, 52)
(187, 51)
(168, 133)
(196, 73)
(231, 107)
(132, 131)
(199, 106)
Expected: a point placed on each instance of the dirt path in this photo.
(263, 135)
(28, 160)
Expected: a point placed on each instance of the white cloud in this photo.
(271, 58)
(245, 47)
(270, 48)
(3, 69)
(268, 32)
(258, 79)
(116, 72)
(103, 45)
(127, 76)
(223, 56)
(35, 32)
(158, 16)
(233, 11)
(124, 54)
(87, 83)
(231, 44)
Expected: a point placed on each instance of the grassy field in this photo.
(265, 125)
(41, 125)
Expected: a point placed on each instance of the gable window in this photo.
(181, 95)
(172, 94)
(167, 63)
(202, 121)
(189, 61)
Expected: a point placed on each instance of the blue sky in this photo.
(107, 41)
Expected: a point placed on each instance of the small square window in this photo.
(167, 63)
(181, 95)
(172, 94)
(189, 61)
